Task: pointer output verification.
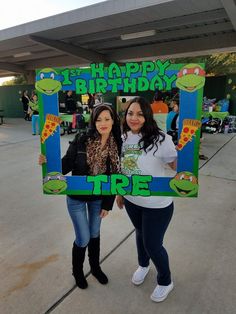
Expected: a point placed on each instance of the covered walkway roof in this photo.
(120, 31)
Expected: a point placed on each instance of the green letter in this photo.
(113, 67)
(101, 85)
(97, 69)
(80, 86)
(91, 84)
(156, 83)
(66, 75)
(97, 180)
(143, 84)
(117, 187)
(131, 67)
(140, 185)
(129, 86)
(114, 83)
(162, 66)
(169, 81)
(148, 66)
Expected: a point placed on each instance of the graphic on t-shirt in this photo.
(129, 159)
(189, 130)
(50, 126)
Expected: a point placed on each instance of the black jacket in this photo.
(75, 161)
(25, 102)
(174, 125)
(70, 104)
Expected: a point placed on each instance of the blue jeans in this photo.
(35, 121)
(150, 227)
(86, 219)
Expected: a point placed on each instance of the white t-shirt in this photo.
(135, 161)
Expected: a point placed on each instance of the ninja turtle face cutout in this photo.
(191, 78)
(54, 183)
(48, 82)
(184, 184)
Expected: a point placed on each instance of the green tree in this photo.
(222, 63)
(215, 64)
(19, 79)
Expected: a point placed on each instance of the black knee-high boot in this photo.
(93, 254)
(78, 255)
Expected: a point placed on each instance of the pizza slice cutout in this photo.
(50, 125)
(189, 130)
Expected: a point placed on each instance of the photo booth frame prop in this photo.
(130, 78)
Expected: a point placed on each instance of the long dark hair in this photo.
(116, 132)
(151, 133)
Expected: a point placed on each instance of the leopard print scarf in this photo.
(97, 156)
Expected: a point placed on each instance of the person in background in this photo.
(94, 153)
(146, 150)
(70, 103)
(70, 108)
(160, 110)
(35, 114)
(25, 101)
(174, 112)
(201, 155)
(172, 121)
(175, 121)
(33, 92)
(91, 101)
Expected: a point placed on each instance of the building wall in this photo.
(10, 100)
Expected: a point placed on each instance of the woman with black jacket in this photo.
(92, 154)
(25, 101)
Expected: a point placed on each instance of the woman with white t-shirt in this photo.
(146, 150)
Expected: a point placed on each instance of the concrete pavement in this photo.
(36, 238)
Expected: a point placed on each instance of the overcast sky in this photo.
(15, 12)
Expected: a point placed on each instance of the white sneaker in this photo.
(139, 275)
(160, 293)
